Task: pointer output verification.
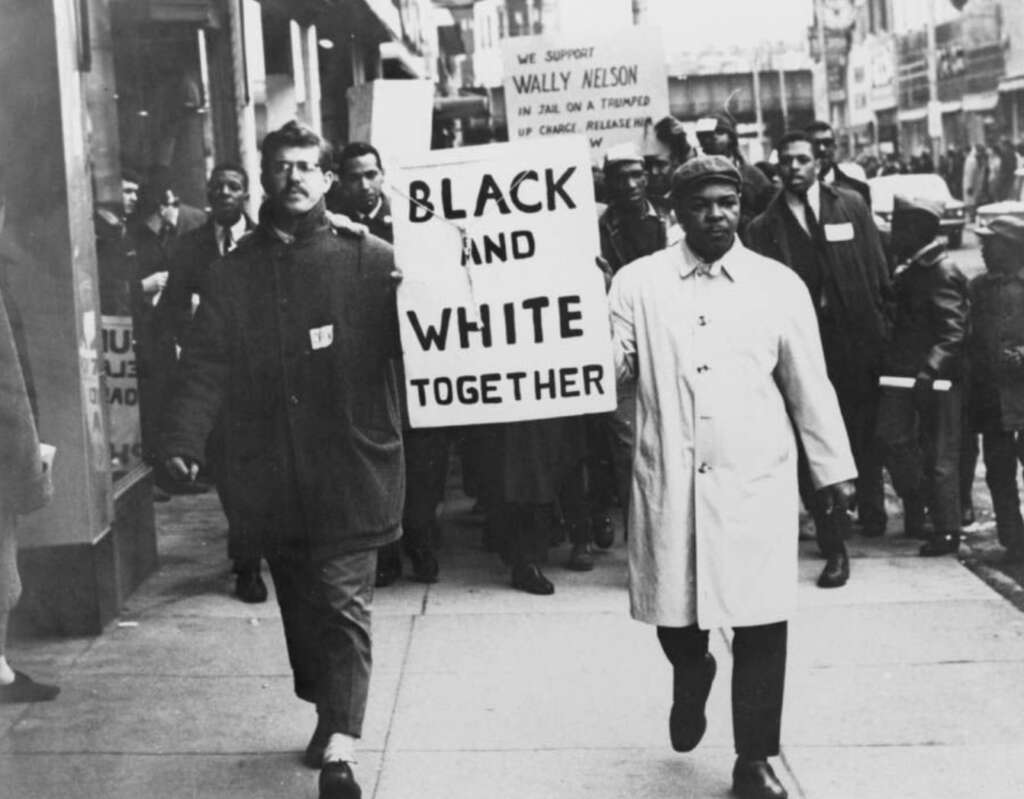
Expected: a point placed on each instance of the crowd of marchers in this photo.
(771, 347)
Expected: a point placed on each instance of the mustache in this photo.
(294, 186)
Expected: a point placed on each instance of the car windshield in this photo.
(927, 187)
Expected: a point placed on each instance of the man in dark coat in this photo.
(717, 136)
(294, 343)
(227, 191)
(358, 193)
(919, 428)
(829, 173)
(826, 235)
(996, 353)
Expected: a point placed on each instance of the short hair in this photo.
(357, 149)
(131, 175)
(231, 166)
(295, 134)
(817, 126)
(791, 136)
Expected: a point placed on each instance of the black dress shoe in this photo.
(338, 782)
(25, 689)
(528, 578)
(690, 688)
(389, 565)
(424, 565)
(249, 586)
(581, 559)
(603, 531)
(836, 571)
(754, 779)
(938, 545)
(314, 754)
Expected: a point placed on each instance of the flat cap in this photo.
(1008, 228)
(622, 154)
(705, 169)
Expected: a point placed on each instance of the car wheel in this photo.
(956, 238)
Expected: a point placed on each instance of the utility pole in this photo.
(783, 99)
(934, 107)
(823, 106)
(758, 113)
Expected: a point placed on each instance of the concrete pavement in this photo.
(904, 684)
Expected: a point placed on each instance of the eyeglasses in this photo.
(301, 167)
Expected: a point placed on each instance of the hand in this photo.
(154, 282)
(396, 276)
(342, 222)
(838, 496)
(182, 469)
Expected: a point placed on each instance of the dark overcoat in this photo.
(295, 342)
(856, 287)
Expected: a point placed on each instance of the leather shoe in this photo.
(938, 545)
(389, 565)
(249, 586)
(528, 578)
(581, 559)
(338, 782)
(836, 571)
(690, 689)
(603, 531)
(424, 565)
(754, 779)
(314, 755)
(25, 689)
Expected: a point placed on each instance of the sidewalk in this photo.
(907, 683)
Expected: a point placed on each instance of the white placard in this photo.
(610, 87)
(509, 322)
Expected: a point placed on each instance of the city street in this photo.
(905, 683)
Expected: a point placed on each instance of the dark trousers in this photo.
(919, 438)
(969, 452)
(860, 415)
(426, 469)
(758, 679)
(1003, 450)
(325, 608)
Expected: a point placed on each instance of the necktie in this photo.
(229, 241)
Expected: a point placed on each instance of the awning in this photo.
(1014, 84)
(981, 102)
(914, 114)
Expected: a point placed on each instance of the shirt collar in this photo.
(694, 266)
(238, 230)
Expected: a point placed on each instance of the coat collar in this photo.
(308, 225)
(692, 265)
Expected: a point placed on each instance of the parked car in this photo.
(919, 186)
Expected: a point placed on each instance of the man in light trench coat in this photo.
(726, 355)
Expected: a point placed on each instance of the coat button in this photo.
(704, 468)
(293, 400)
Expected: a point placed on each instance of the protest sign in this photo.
(609, 88)
(502, 310)
(121, 388)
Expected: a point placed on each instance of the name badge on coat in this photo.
(321, 337)
(842, 231)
